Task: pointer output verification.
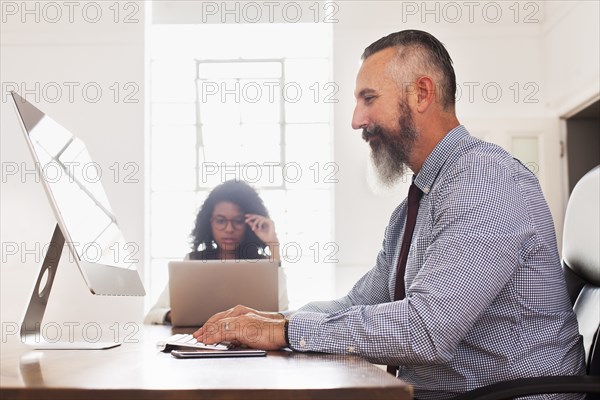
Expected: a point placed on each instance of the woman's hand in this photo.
(264, 228)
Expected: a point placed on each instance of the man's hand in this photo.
(241, 310)
(244, 325)
(254, 330)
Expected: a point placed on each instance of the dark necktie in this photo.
(414, 196)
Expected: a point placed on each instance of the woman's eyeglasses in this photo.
(221, 222)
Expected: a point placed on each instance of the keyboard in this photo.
(188, 341)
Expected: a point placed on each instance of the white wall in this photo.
(570, 44)
(47, 49)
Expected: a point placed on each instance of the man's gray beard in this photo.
(391, 154)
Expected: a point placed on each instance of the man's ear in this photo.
(425, 93)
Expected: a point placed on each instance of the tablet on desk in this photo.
(199, 353)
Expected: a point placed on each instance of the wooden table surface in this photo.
(137, 370)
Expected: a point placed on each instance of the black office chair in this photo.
(581, 265)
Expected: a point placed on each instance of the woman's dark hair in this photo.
(249, 202)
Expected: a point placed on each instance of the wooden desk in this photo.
(139, 371)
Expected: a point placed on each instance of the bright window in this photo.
(250, 102)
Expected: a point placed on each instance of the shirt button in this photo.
(351, 349)
(426, 189)
(302, 342)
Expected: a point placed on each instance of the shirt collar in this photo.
(434, 162)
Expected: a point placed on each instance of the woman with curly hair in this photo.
(232, 224)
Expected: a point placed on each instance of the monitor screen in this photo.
(83, 212)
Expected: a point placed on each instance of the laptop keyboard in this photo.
(188, 341)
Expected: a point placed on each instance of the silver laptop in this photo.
(199, 289)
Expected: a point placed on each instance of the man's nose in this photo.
(359, 119)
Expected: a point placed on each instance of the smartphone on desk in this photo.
(200, 353)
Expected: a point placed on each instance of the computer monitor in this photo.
(85, 223)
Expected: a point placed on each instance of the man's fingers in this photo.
(215, 319)
(251, 329)
(222, 330)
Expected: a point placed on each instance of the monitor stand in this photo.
(32, 322)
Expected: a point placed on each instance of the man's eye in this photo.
(369, 99)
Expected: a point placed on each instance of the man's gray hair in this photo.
(425, 54)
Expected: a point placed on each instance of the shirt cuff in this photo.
(286, 314)
(303, 326)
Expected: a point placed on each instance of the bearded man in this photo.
(467, 289)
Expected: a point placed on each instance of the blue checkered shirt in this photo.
(485, 295)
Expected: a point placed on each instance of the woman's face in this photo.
(228, 225)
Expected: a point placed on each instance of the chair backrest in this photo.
(581, 260)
